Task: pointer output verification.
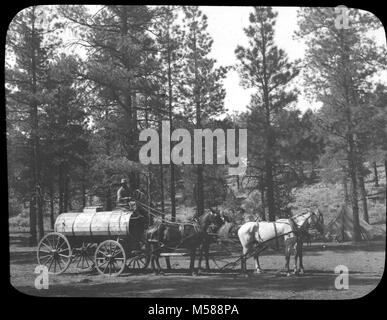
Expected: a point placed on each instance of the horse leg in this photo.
(257, 266)
(200, 258)
(301, 269)
(153, 259)
(192, 261)
(243, 261)
(206, 254)
(296, 255)
(287, 258)
(168, 262)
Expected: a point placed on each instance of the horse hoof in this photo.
(258, 271)
(301, 272)
(288, 274)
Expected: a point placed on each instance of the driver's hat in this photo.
(124, 181)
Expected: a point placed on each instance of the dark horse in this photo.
(164, 236)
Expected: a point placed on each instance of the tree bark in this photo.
(269, 137)
(52, 214)
(376, 174)
(34, 132)
(199, 168)
(270, 191)
(66, 189)
(354, 196)
(385, 175)
(363, 195)
(83, 194)
(161, 171)
(60, 188)
(33, 234)
(345, 188)
(172, 166)
(263, 215)
(109, 202)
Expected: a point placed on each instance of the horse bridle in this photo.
(320, 219)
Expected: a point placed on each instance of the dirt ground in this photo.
(365, 262)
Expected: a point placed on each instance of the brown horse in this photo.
(214, 233)
(168, 236)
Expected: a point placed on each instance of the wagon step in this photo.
(219, 253)
(174, 254)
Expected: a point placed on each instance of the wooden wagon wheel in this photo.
(54, 251)
(83, 258)
(139, 259)
(110, 258)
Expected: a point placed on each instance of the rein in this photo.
(163, 220)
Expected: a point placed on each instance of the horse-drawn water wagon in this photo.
(106, 240)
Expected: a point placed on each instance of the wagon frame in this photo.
(110, 253)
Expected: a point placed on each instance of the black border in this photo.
(136, 308)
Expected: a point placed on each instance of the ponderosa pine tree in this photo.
(170, 53)
(31, 39)
(340, 63)
(120, 65)
(265, 68)
(201, 88)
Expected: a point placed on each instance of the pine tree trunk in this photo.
(60, 188)
(270, 191)
(83, 194)
(33, 234)
(385, 175)
(172, 166)
(66, 190)
(263, 215)
(109, 202)
(162, 188)
(199, 168)
(161, 172)
(52, 215)
(352, 174)
(376, 175)
(345, 188)
(363, 195)
(199, 189)
(35, 136)
(269, 139)
(40, 215)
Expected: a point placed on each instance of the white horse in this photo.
(291, 230)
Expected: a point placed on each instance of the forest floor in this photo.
(365, 262)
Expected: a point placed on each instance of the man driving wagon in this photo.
(123, 194)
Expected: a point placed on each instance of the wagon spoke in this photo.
(53, 242)
(115, 255)
(47, 261)
(44, 253)
(48, 255)
(59, 264)
(104, 270)
(91, 260)
(61, 245)
(87, 262)
(49, 248)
